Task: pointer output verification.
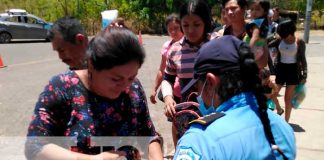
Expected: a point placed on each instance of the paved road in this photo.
(30, 66)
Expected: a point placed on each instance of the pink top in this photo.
(165, 48)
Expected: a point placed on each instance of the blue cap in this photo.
(217, 56)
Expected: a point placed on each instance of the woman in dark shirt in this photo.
(104, 100)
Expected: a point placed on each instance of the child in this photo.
(195, 23)
(291, 68)
(257, 31)
(172, 24)
(271, 90)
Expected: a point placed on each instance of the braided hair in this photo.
(248, 80)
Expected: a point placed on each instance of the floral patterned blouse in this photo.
(67, 108)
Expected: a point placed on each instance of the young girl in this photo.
(195, 23)
(257, 31)
(172, 23)
(271, 90)
(292, 65)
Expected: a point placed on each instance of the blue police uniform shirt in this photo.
(237, 135)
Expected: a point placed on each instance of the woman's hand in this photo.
(169, 109)
(152, 97)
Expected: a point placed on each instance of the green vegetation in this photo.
(145, 15)
(300, 7)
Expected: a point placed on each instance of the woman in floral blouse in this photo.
(104, 100)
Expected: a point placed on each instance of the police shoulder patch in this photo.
(208, 119)
(187, 153)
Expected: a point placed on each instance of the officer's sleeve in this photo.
(189, 147)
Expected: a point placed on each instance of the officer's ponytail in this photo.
(247, 80)
(252, 82)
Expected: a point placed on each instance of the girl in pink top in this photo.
(172, 23)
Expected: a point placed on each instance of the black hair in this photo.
(264, 73)
(132, 153)
(265, 4)
(286, 27)
(247, 80)
(172, 18)
(199, 8)
(114, 46)
(242, 3)
(68, 27)
(276, 8)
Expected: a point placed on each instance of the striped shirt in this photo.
(181, 58)
(180, 61)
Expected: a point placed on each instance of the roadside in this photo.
(29, 70)
(312, 32)
(307, 120)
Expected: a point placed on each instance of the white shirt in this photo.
(288, 52)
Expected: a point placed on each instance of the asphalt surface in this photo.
(31, 64)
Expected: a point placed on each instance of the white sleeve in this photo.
(166, 88)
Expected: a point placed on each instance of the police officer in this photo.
(236, 122)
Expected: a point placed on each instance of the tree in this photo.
(145, 15)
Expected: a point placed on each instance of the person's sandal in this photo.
(280, 112)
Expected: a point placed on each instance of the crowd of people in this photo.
(228, 68)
